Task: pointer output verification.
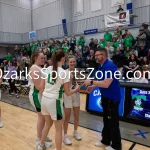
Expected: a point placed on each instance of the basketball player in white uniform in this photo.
(35, 93)
(70, 102)
(51, 105)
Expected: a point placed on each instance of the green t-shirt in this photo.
(115, 45)
(53, 49)
(102, 44)
(28, 48)
(128, 41)
(65, 48)
(9, 57)
(33, 47)
(108, 37)
(81, 42)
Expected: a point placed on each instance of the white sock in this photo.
(75, 131)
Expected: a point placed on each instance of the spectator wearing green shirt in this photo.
(102, 43)
(28, 48)
(33, 47)
(53, 48)
(39, 43)
(9, 57)
(81, 41)
(115, 44)
(128, 41)
(108, 36)
(65, 47)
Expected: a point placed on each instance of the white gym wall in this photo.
(15, 16)
(46, 13)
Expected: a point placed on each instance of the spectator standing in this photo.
(147, 32)
(108, 36)
(28, 48)
(39, 44)
(81, 42)
(33, 47)
(9, 57)
(128, 41)
(102, 43)
(118, 32)
(125, 34)
(73, 43)
(141, 39)
(110, 50)
(115, 44)
(120, 9)
(65, 47)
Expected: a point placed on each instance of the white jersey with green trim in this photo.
(34, 94)
(32, 86)
(55, 90)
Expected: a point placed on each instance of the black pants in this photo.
(72, 47)
(111, 132)
(12, 86)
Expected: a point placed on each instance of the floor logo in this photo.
(141, 133)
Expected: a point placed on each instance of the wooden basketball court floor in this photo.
(19, 133)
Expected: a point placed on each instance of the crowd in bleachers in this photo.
(127, 52)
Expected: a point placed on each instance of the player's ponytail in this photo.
(56, 57)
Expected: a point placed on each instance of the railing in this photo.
(76, 27)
